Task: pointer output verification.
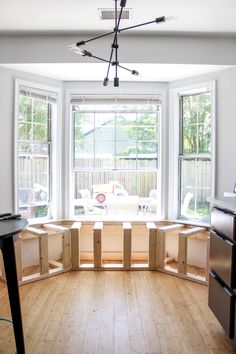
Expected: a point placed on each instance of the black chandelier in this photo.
(113, 59)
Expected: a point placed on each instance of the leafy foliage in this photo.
(196, 111)
(33, 119)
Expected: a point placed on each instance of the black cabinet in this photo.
(222, 303)
(222, 258)
(223, 221)
(222, 277)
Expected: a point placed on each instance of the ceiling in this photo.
(212, 17)
(96, 71)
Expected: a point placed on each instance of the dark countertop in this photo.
(12, 227)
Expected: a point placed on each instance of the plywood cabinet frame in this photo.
(71, 232)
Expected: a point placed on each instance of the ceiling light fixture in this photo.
(113, 59)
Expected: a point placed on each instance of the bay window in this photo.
(195, 155)
(37, 111)
(115, 145)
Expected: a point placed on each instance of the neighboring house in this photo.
(105, 132)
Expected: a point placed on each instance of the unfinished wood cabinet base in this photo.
(71, 254)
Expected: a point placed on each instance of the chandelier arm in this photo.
(107, 61)
(157, 20)
(134, 72)
(94, 38)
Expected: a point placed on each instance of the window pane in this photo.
(147, 148)
(190, 109)
(147, 155)
(40, 112)
(129, 163)
(83, 155)
(204, 138)
(25, 109)
(103, 148)
(195, 172)
(85, 121)
(105, 154)
(135, 183)
(147, 164)
(126, 148)
(106, 162)
(104, 119)
(195, 188)
(78, 135)
(196, 123)
(190, 142)
(105, 133)
(147, 119)
(34, 124)
(28, 149)
(33, 170)
(25, 131)
(124, 152)
(126, 119)
(40, 132)
(82, 150)
(146, 133)
(33, 185)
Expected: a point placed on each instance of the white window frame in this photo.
(174, 140)
(142, 93)
(55, 172)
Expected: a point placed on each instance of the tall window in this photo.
(195, 155)
(35, 111)
(115, 151)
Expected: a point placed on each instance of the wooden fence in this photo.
(139, 176)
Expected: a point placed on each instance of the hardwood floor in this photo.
(114, 312)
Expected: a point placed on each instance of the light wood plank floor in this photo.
(114, 312)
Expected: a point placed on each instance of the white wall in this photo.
(7, 79)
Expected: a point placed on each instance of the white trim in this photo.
(56, 134)
(163, 166)
(174, 118)
(173, 153)
(68, 180)
(56, 160)
(213, 140)
(15, 168)
(124, 92)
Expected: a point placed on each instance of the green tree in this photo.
(196, 116)
(33, 119)
(143, 131)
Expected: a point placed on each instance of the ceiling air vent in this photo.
(109, 14)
